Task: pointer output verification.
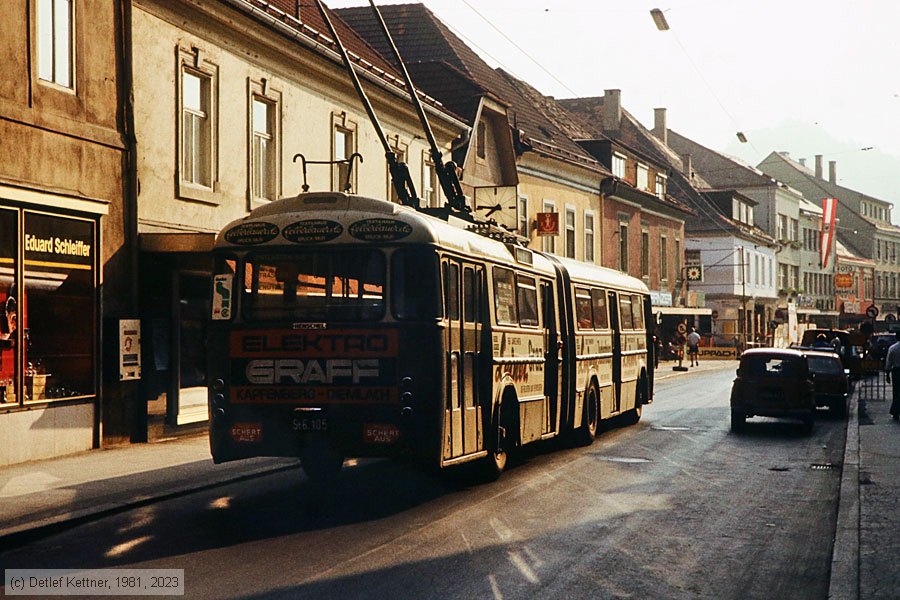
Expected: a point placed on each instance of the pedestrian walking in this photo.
(892, 374)
(693, 340)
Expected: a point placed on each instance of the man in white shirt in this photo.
(693, 340)
(892, 372)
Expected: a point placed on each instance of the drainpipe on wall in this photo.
(130, 206)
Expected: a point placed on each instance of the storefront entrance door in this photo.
(190, 313)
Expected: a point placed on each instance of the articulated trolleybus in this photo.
(349, 326)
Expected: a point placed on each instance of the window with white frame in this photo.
(795, 230)
(524, 223)
(781, 227)
(548, 242)
(588, 236)
(645, 251)
(623, 245)
(55, 34)
(663, 258)
(618, 166)
(264, 144)
(431, 187)
(343, 147)
(643, 178)
(660, 186)
(196, 128)
(400, 150)
(570, 232)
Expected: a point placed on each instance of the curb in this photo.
(26, 532)
(843, 583)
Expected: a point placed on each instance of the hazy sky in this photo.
(810, 76)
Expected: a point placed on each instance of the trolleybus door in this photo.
(462, 300)
(614, 324)
(552, 359)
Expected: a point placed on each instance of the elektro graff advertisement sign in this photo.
(314, 366)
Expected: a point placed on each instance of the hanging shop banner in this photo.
(829, 215)
(548, 223)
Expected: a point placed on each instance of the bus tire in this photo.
(321, 461)
(506, 427)
(584, 435)
(738, 421)
(632, 416)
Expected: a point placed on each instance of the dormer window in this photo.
(618, 166)
(643, 177)
(660, 186)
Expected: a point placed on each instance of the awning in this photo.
(177, 242)
(680, 310)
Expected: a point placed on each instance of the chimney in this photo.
(832, 171)
(819, 166)
(612, 110)
(687, 166)
(802, 162)
(660, 130)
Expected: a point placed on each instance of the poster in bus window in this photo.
(222, 286)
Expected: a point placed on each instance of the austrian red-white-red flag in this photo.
(829, 215)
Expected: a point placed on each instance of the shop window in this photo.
(9, 333)
(56, 310)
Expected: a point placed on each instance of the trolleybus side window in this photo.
(526, 293)
(469, 294)
(601, 316)
(326, 286)
(414, 285)
(626, 317)
(583, 308)
(505, 296)
(451, 291)
(637, 310)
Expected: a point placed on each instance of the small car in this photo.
(773, 382)
(830, 382)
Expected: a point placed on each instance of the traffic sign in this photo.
(872, 311)
(682, 328)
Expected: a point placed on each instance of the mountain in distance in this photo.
(871, 171)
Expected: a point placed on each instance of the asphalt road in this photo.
(674, 507)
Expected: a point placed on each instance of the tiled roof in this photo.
(310, 22)
(718, 170)
(588, 113)
(425, 42)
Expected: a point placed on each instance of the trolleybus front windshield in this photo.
(346, 285)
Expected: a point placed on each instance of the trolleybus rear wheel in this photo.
(320, 460)
(584, 435)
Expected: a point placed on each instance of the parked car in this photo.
(879, 344)
(831, 382)
(773, 382)
(850, 347)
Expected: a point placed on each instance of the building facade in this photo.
(63, 227)
(864, 228)
(229, 96)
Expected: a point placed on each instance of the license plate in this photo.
(309, 424)
(380, 433)
(246, 432)
(771, 396)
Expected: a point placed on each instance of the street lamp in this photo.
(659, 19)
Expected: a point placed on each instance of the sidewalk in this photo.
(665, 371)
(37, 497)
